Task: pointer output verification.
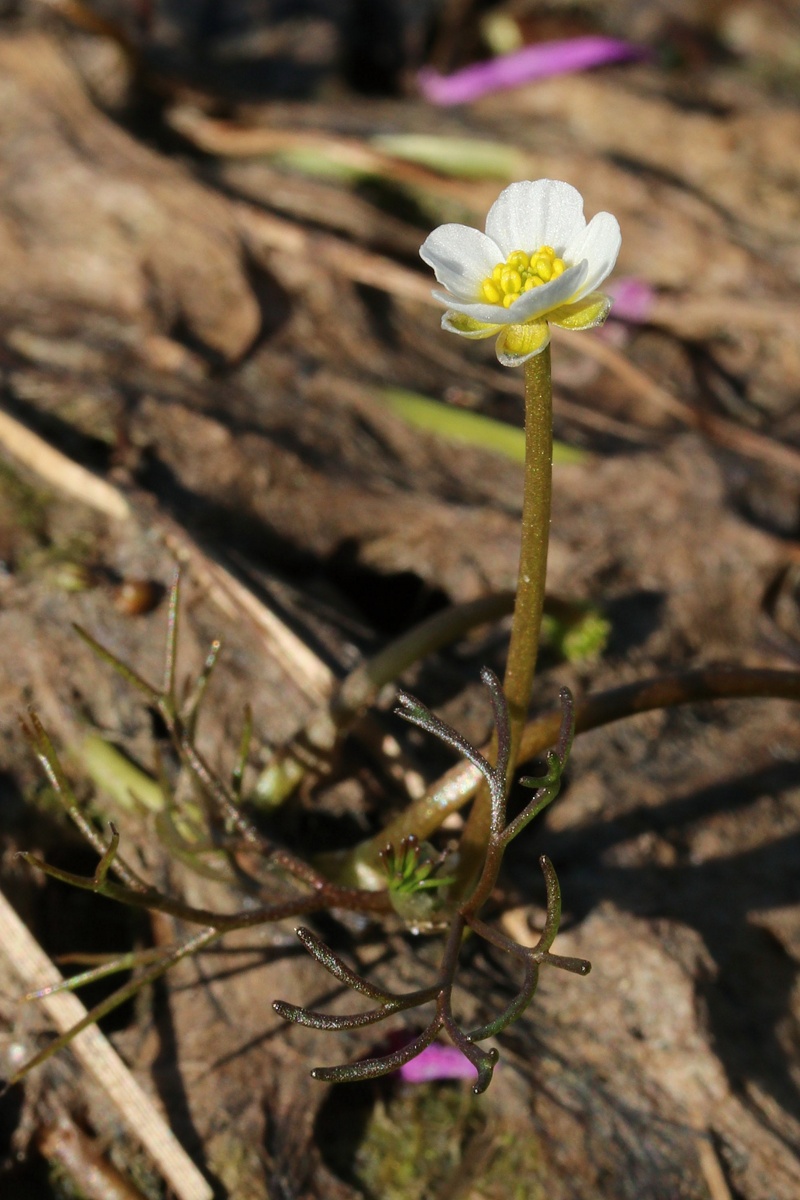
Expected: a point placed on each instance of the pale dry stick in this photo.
(703, 316)
(61, 471)
(85, 18)
(711, 1167)
(264, 232)
(313, 677)
(600, 422)
(636, 380)
(228, 139)
(726, 433)
(309, 673)
(66, 1146)
(747, 442)
(100, 1060)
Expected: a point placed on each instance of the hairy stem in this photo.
(529, 604)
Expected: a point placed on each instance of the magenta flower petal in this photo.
(523, 66)
(633, 299)
(437, 1061)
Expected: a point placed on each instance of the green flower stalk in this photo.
(538, 262)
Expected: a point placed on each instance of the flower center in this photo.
(520, 273)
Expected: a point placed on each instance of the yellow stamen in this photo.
(511, 281)
(520, 273)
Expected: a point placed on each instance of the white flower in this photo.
(537, 262)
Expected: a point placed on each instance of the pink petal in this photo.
(633, 299)
(533, 62)
(437, 1061)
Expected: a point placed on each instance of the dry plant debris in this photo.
(206, 332)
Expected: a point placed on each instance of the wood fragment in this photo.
(711, 1167)
(264, 232)
(747, 442)
(698, 317)
(311, 675)
(99, 1059)
(230, 139)
(60, 471)
(78, 1156)
(308, 671)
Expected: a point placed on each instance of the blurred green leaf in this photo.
(469, 428)
(463, 158)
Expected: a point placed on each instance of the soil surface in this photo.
(208, 283)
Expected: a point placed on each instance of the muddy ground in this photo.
(208, 278)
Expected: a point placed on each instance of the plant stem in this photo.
(310, 750)
(529, 604)
(361, 865)
(316, 741)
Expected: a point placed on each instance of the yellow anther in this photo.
(521, 272)
(510, 281)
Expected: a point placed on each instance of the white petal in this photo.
(530, 306)
(599, 244)
(528, 215)
(461, 258)
(488, 314)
